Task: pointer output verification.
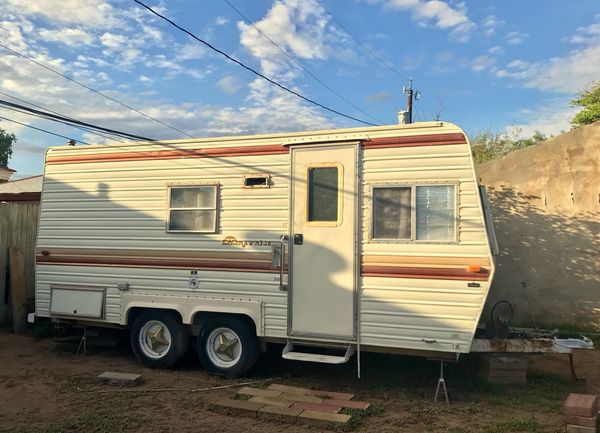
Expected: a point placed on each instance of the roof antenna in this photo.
(71, 142)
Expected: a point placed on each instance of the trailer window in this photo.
(391, 213)
(414, 213)
(193, 209)
(323, 192)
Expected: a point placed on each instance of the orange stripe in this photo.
(427, 273)
(416, 140)
(170, 154)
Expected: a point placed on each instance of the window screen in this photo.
(435, 219)
(391, 213)
(193, 209)
(323, 194)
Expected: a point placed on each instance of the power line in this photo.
(94, 90)
(297, 63)
(364, 47)
(248, 68)
(42, 130)
(83, 128)
(68, 120)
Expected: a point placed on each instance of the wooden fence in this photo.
(18, 228)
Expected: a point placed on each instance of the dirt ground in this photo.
(46, 387)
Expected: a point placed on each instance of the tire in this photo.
(240, 349)
(158, 339)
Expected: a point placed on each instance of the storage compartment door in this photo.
(77, 302)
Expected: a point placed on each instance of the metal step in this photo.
(288, 353)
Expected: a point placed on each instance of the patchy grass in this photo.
(515, 425)
(358, 416)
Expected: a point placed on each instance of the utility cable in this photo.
(297, 63)
(83, 128)
(363, 46)
(254, 71)
(61, 118)
(42, 130)
(95, 91)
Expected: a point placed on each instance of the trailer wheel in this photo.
(227, 346)
(158, 339)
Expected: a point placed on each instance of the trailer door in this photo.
(323, 264)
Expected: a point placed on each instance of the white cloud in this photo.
(91, 13)
(71, 37)
(112, 40)
(550, 118)
(220, 21)
(229, 84)
(515, 38)
(482, 63)
(566, 74)
(496, 50)
(442, 14)
(191, 51)
(491, 24)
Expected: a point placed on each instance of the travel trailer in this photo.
(365, 239)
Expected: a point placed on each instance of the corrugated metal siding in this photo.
(427, 314)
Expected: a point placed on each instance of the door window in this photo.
(323, 194)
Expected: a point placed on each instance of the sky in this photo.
(481, 64)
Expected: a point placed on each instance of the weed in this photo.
(515, 425)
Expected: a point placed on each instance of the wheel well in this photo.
(133, 312)
(201, 317)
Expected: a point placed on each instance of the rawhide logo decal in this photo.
(231, 240)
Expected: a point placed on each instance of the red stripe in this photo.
(417, 140)
(157, 263)
(274, 149)
(428, 273)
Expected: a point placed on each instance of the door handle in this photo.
(298, 239)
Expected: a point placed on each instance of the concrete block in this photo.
(289, 389)
(121, 378)
(259, 392)
(301, 397)
(271, 401)
(319, 407)
(324, 417)
(278, 410)
(581, 405)
(244, 407)
(332, 395)
(582, 421)
(580, 429)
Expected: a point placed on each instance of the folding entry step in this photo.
(288, 353)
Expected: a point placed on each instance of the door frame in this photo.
(357, 230)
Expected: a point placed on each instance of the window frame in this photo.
(413, 212)
(214, 208)
(340, 196)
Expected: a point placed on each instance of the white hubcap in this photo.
(155, 339)
(223, 347)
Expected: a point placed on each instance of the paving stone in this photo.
(121, 378)
(289, 389)
(350, 404)
(281, 402)
(332, 395)
(301, 397)
(581, 405)
(278, 410)
(580, 429)
(325, 417)
(319, 407)
(582, 421)
(245, 407)
(259, 392)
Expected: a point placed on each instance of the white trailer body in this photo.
(386, 247)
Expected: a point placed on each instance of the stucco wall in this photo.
(545, 203)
